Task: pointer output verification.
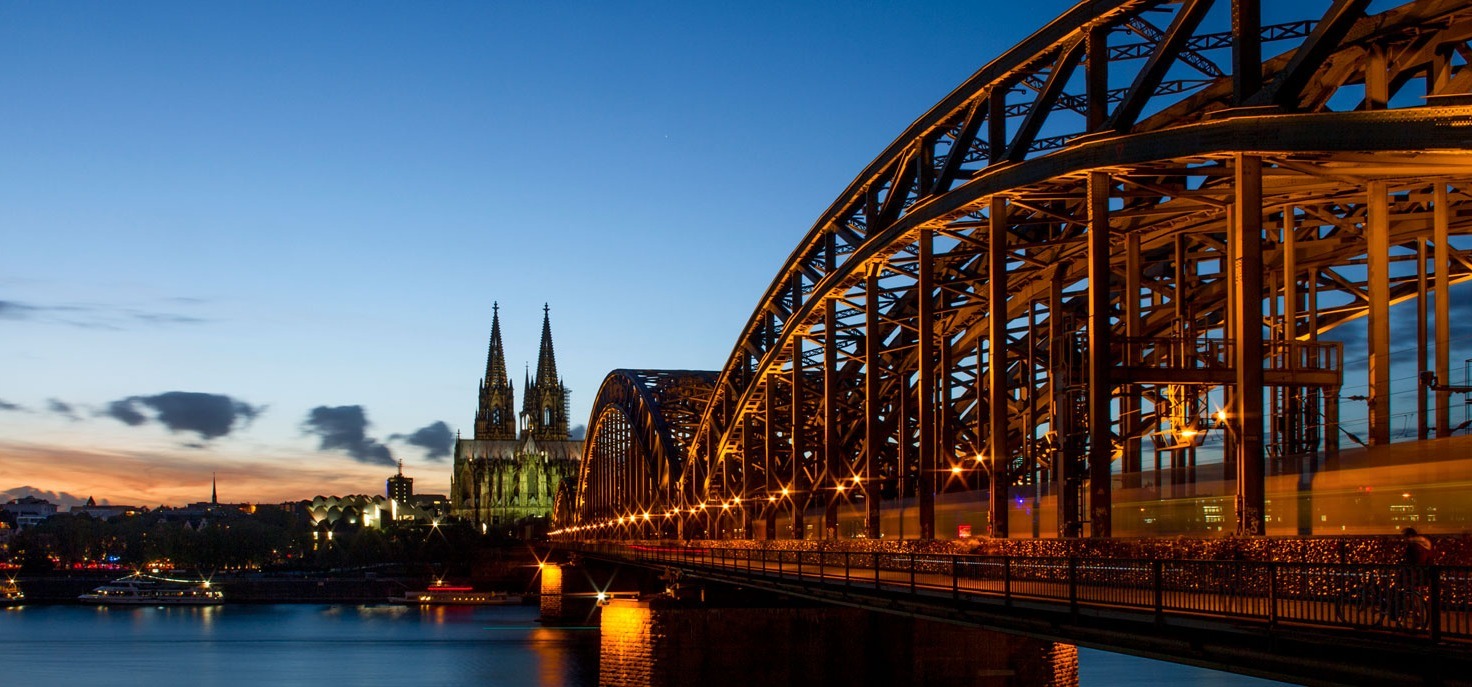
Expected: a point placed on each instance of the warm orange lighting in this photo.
(1221, 415)
(839, 487)
(736, 500)
(646, 515)
(725, 506)
(955, 469)
(772, 499)
(784, 491)
(980, 458)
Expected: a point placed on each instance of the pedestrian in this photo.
(1418, 551)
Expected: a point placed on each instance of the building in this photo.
(91, 509)
(401, 488)
(29, 511)
(511, 470)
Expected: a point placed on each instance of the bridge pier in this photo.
(665, 641)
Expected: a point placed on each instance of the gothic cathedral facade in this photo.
(511, 470)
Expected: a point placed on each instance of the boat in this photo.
(147, 590)
(452, 595)
(10, 593)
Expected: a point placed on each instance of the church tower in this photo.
(546, 398)
(496, 418)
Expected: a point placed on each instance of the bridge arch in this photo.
(635, 451)
(1137, 227)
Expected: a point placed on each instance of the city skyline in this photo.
(264, 240)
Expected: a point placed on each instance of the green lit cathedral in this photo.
(511, 470)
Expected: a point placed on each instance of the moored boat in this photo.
(146, 590)
(10, 593)
(451, 595)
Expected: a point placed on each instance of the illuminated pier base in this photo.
(664, 643)
(551, 598)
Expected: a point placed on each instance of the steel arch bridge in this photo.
(1134, 228)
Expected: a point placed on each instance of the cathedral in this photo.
(511, 469)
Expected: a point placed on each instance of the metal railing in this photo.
(1431, 602)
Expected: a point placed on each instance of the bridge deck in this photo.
(1312, 623)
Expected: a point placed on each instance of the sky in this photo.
(261, 240)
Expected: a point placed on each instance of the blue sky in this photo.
(303, 205)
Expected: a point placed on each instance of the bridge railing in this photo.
(1433, 602)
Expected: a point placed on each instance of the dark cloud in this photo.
(94, 316)
(208, 415)
(345, 428)
(59, 498)
(6, 405)
(435, 438)
(11, 310)
(577, 432)
(62, 408)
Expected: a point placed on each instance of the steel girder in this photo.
(636, 446)
(1056, 262)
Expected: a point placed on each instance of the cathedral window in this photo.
(546, 417)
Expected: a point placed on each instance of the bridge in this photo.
(1161, 270)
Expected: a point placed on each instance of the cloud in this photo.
(6, 405)
(95, 316)
(577, 432)
(62, 408)
(345, 428)
(208, 415)
(59, 498)
(435, 438)
(11, 310)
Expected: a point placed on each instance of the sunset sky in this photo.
(263, 239)
(218, 217)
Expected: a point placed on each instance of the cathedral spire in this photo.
(547, 360)
(496, 354)
(214, 491)
(496, 417)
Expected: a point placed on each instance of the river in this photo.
(314, 644)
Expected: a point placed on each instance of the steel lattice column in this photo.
(1246, 275)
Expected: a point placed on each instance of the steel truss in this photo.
(1055, 270)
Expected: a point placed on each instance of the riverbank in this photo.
(66, 587)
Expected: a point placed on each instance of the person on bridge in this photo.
(1418, 551)
(1415, 560)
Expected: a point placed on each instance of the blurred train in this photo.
(1374, 490)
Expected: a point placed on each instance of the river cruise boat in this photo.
(450, 595)
(10, 593)
(145, 590)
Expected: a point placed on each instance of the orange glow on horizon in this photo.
(177, 479)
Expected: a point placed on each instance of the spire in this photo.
(214, 491)
(547, 360)
(401, 467)
(528, 404)
(495, 418)
(496, 354)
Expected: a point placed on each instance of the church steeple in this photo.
(496, 353)
(546, 399)
(214, 491)
(547, 359)
(496, 417)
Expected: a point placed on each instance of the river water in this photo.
(307, 644)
